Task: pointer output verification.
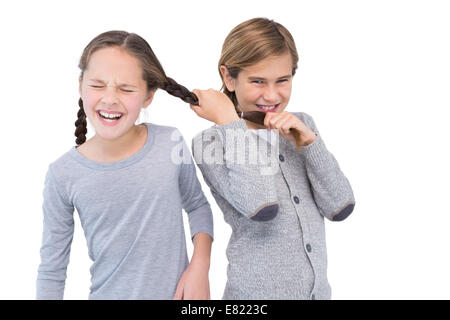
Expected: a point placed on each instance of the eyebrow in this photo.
(261, 78)
(120, 84)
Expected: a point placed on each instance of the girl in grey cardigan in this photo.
(274, 186)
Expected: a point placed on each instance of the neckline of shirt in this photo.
(117, 164)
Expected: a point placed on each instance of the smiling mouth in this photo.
(268, 108)
(109, 116)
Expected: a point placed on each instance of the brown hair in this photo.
(153, 72)
(251, 42)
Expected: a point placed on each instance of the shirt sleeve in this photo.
(331, 189)
(236, 168)
(193, 199)
(56, 241)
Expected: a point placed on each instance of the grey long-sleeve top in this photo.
(275, 207)
(131, 214)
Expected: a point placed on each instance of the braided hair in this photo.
(153, 72)
(81, 124)
(177, 90)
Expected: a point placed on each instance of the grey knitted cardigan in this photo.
(277, 248)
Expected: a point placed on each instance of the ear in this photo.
(149, 98)
(227, 79)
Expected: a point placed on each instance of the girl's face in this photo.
(113, 92)
(265, 86)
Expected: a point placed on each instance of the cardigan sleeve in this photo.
(58, 227)
(330, 188)
(236, 169)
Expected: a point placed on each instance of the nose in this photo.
(110, 96)
(270, 94)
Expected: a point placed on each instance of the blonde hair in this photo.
(251, 42)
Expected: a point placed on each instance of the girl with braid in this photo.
(126, 185)
(277, 247)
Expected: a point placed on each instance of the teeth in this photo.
(267, 107)
(110, 115)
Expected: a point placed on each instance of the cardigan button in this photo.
(296, 200)
(281, 157)
(308, 247)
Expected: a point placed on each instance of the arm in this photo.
(202, 251)
(230, 161)
(56, 241)
(236, 172)
(331, 189)
(192, 197)
(194, 283)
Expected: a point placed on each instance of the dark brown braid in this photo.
(81, 125)
(181, 92)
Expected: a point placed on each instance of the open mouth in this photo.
(268, 108)
(109, 118)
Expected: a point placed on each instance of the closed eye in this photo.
(99, 87)
(258, 81)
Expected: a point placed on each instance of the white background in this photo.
(375, 76)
